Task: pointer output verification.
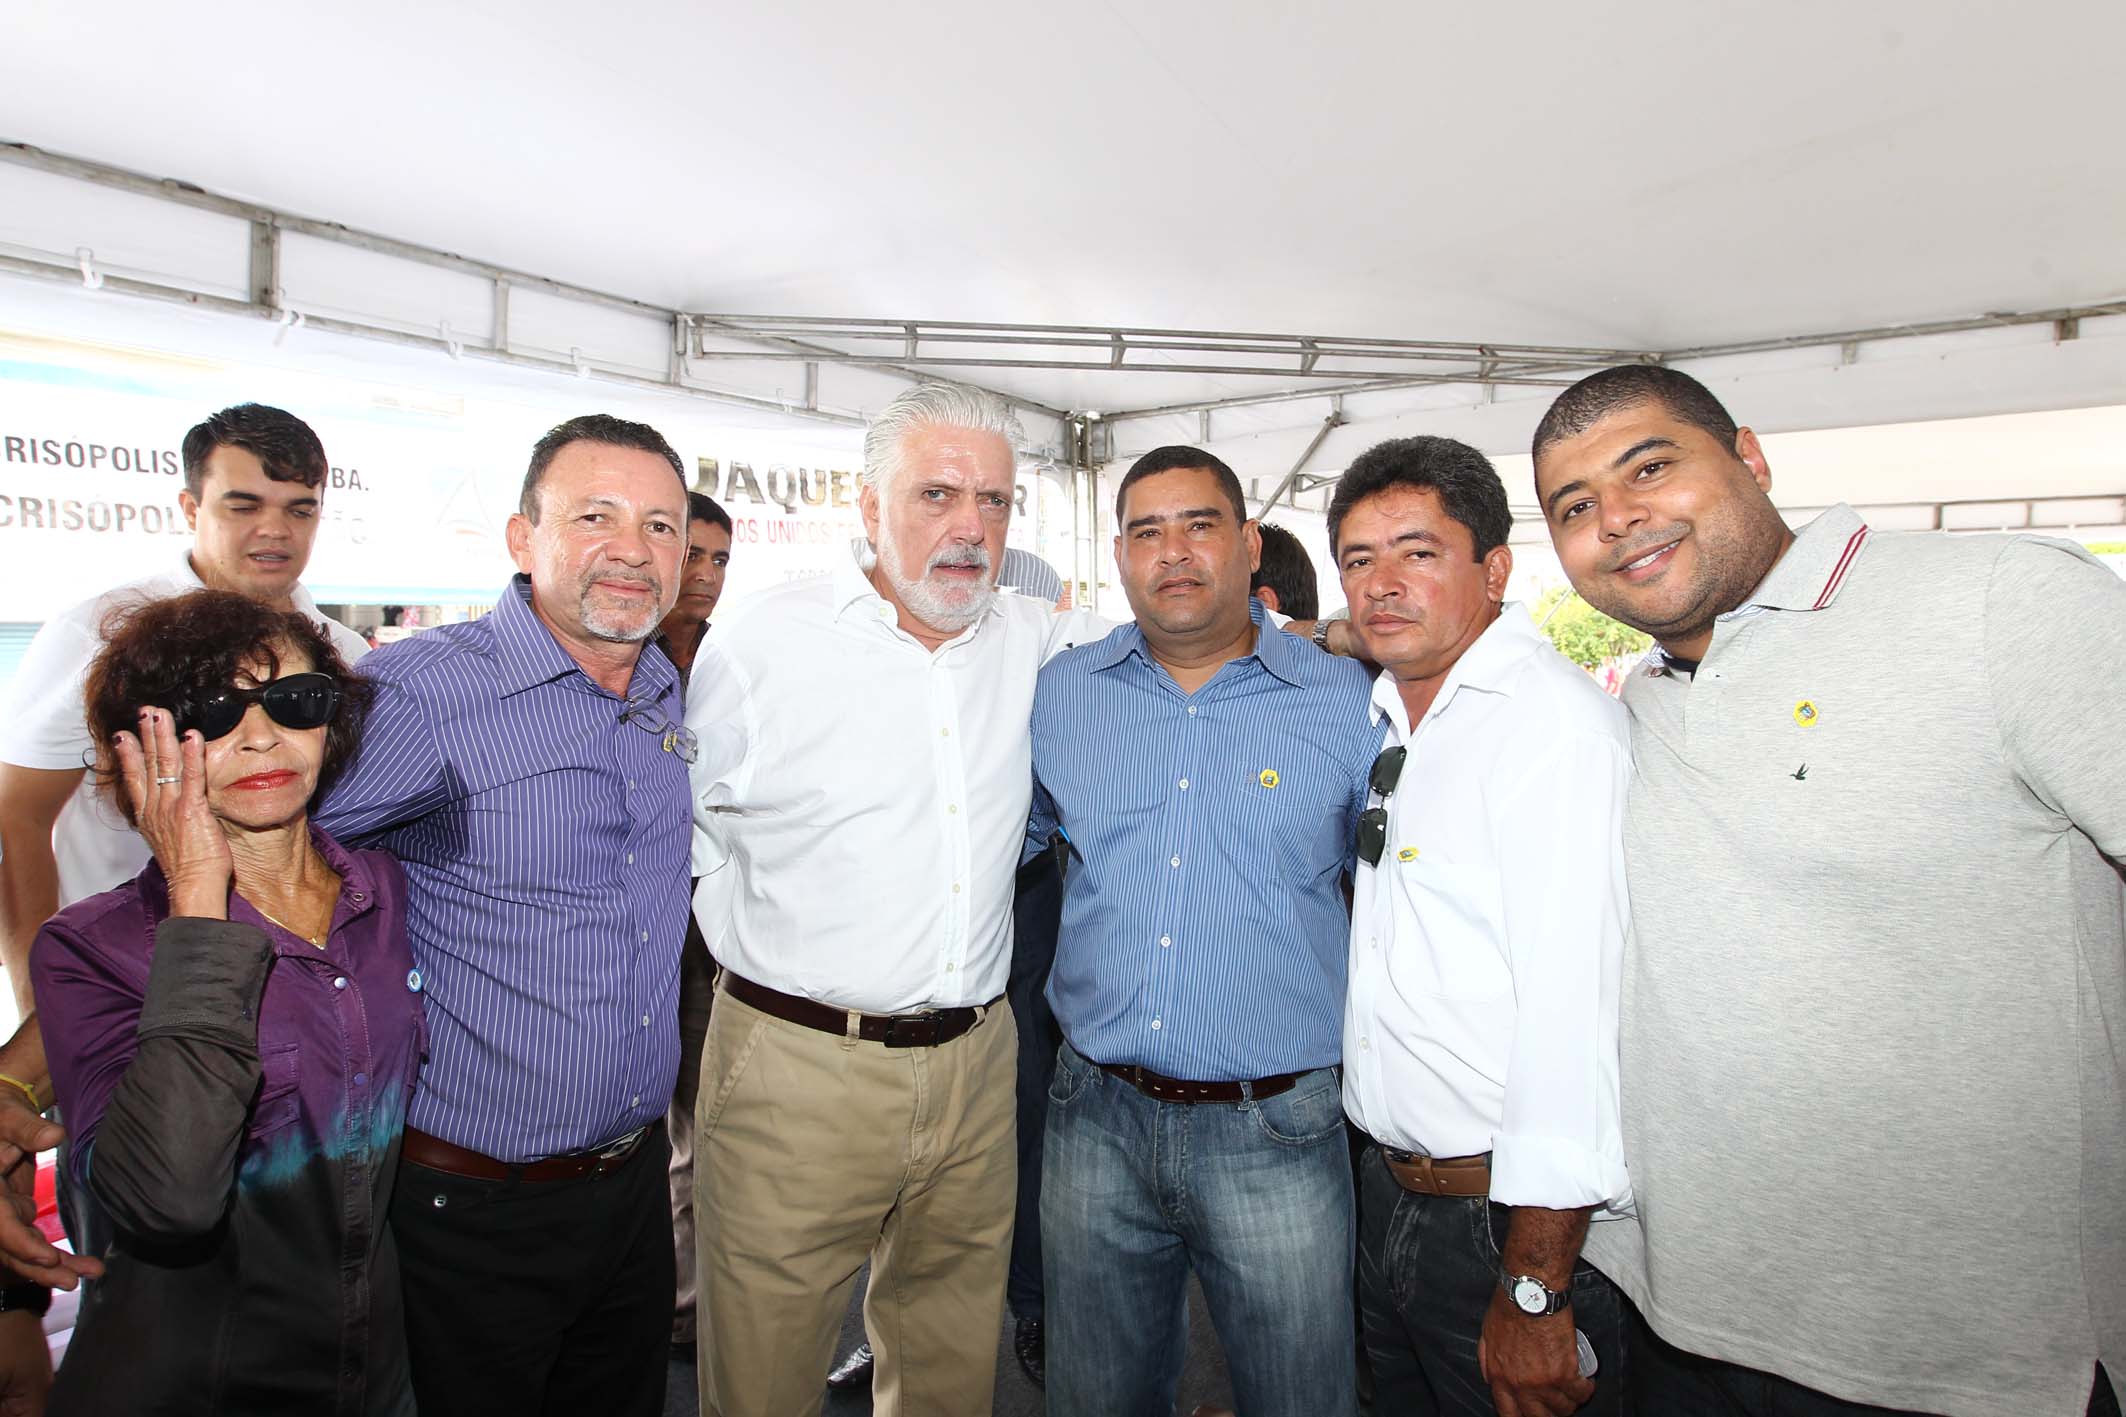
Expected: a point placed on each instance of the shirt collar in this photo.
(1492, 664)
(1809, 575)
(1275, 650)
(528, 655)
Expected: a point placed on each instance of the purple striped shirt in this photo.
(545, 843)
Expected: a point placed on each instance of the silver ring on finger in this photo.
(166, 781)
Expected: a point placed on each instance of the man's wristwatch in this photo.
(1532, 1296)
(1321, 635)
(34, 1297)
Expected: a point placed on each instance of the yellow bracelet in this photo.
(27, 1091)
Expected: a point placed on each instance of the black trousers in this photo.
(1037, 916)
(1669, 1382)
(550, 1297)
(1427, 1268)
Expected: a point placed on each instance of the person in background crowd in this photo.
(233, 1033)
(529, 771)
(1487, 935)
(1036, 910)
(254, 487)
(1208, 772)
(1874, 1103)
(1285, 579)
(679, 635)
(701, 576)
(861, 797)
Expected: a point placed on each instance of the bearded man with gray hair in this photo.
(861, 799)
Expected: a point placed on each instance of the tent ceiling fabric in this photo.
(1652, 176)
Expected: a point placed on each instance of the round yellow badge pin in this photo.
(1269, 777)
(1408, 853)
(1805, 713)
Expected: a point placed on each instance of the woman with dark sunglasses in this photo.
(233, 1035)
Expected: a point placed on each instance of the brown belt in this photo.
(927, 1029)
(423, 1149)
(1165, 1089)
(1439, 1175)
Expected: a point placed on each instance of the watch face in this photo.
(1530, 1295)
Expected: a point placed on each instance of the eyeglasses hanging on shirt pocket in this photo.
(1373, 822)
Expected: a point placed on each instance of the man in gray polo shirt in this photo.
(1875, 993)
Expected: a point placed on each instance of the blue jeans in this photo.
(1255, 1196)
(1427, 1268)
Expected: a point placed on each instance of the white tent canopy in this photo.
(1659, 177)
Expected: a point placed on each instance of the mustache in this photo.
(975, 556)
(1653, 541)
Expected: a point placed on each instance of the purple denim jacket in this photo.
(233, 1097)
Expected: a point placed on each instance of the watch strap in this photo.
(36, 1298)
(1554, 1300)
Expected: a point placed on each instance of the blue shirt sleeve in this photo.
(398, 776)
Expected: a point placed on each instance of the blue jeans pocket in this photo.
(1311, 1113)
(1069, 1079)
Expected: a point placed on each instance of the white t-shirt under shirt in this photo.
(44, 726)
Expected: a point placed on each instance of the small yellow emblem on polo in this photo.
(1805, 713)
(1408, 853)
(1269, 777)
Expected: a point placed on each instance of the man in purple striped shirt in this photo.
(530, 772)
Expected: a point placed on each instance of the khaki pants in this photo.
(813, 1153)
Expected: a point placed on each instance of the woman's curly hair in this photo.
(188, 648)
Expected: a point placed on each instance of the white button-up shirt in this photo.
(1487, 946)
(860, 801)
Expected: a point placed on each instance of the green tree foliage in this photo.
(1584, 634)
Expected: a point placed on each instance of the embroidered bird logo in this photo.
(1801, 774)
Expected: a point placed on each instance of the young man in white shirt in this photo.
(254, 488)
(1487, 934)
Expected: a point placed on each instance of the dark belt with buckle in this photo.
(1463, 1176)
(424, 1149)
(927, 1029)
(1161, 1088)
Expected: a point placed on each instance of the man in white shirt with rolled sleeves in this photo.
(1488, 920)
(862, 788)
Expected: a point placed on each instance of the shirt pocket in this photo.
(279, 1090)
(1453, 919)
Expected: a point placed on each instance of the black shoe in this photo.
(1030, 1341)
(852, 1371)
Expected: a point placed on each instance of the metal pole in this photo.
(1328, 426)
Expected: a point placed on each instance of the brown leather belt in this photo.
(1165, 1089)
(927, 1029)
(1439, 1175)
(424, 1149)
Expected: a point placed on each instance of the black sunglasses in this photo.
(294, 701)
(1373, 822)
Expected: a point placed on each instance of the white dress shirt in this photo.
(1487, 946)
(860, 801)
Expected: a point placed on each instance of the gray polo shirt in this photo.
(1874, 1006)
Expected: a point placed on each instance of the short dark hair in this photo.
(1598, 395)
(285, 446)
(591, 428)
(1173, 458)
(1287, 569)
(1468, 486)
(188, 648)
(701, 507)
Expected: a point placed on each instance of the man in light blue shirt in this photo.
(1209, 774)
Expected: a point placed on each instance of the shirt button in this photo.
(944, 733)
(1166, 941)
(635, 1101)
(357, 897)
(1366, 1044)
(1155, 1023)
(361, 1079)
(645, 1020)
(631, 858)
(955, 887)
(953, 808)
(413, 980)
(631, 784)
(1175, 863)
(440, 1202)
(645, 937)
(950, 968)
(1184, 784)
(340, 983)
(1191, 710)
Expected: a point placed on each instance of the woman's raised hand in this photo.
(166, 780)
